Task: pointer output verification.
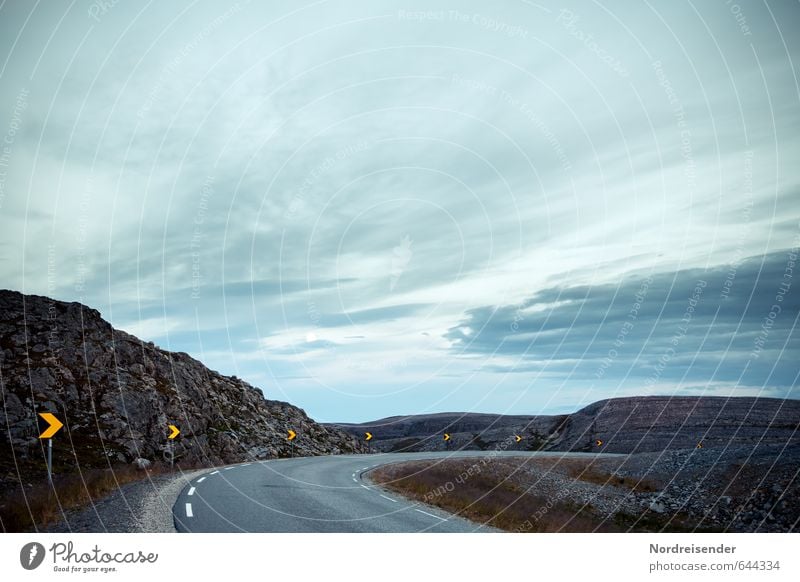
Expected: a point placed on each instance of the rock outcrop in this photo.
(619, 425)
(656, 423)
(117, 396)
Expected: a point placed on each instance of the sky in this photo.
(381, 208)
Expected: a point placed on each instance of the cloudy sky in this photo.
(378, 208)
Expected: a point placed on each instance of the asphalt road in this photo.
(314, 494)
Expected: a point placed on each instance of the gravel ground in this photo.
(737, 489)
(745, 489)
(141, 507)
(741, 489)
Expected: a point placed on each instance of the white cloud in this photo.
(365, 162)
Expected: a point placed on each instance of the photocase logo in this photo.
(32, 555)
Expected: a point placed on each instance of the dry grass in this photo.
(491, 498)
(596, 472)
(604, 478)
(42, 504)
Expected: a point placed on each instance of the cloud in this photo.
(151, 328)
(734, 323)
(211, 176)
(367, 316)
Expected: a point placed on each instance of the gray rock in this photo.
(623, 425)
(119, 394)
(142, 464)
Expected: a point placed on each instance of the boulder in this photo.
(142, 464)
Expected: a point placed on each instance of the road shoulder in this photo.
(141, 507)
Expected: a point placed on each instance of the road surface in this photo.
(315, 494)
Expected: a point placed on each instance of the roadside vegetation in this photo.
(30, 507)
(590, 471)
(524, 494)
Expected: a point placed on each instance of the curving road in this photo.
(315, 494)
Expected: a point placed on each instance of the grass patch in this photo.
(598, 477)
(36, 506)
(651, 522)
(598, 473)
(488, 494)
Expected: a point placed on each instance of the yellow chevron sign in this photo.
(368, 436)
(598, 442)
(292, 435)
(517, 438)
(55, 425)
(173, 431)
(446, 437)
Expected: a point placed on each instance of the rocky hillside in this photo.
(425, 432)
(655, 423)
(623, 425)
(117, 395)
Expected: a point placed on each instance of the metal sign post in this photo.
(50, 460)
(174, 431)
(47, 432)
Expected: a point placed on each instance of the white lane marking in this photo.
(365, 487)
(246, 465)
(389, 498)
(189, 510)
(355, 480)
(229, 468)
(201, 479)
(191, 491)
(426, 513)
(214, 472)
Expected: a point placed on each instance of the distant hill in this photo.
(117, 395)
(477, 431)
(622, 425)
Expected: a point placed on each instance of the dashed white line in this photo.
(191, 491)
(201, 479)
(365, 487)
(389, 498)
(229, 468)
(355, 480)
(426, 513)
(246, 465)
(214, 472)
(189, 510)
